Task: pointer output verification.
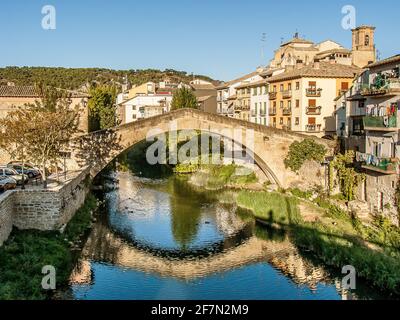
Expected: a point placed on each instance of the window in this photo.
(274, 122)
(274, 89)
(133, 108)
(297, 103)
(134, 116)
(281, 87)
(344, 86)
(265, 107)
(280, 120)
(380, 201)
(358, 126)
(281, 104)
(312, 103)
(312, 85)
(377, 148)
(311, 121)
(297, 85)
(289, 86)
(289, 104)
(254, 91)
(361, 104)
(297, 121)
(274, 104)
(367, 40)
(393, 150)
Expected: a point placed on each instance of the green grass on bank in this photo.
(335, 238)
(272, 207)
(219, 176)
(25, 253)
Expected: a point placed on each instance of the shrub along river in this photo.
(164, 239)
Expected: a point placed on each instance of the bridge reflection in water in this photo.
(222, 242)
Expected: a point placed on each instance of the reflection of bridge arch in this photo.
(105, 246)
(271, 145)
(229, 242)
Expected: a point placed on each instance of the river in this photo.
(161, 239)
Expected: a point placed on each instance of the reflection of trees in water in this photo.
(134, 160)
(185, 213)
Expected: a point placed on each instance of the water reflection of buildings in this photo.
(105, 246)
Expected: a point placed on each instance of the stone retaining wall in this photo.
(6, 217)
(42, 209)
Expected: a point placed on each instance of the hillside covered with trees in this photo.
(77, 78)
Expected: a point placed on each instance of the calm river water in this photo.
(160, 239)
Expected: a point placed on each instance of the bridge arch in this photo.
(270, 145)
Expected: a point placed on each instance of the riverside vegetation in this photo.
(333, 235)
(25, 253)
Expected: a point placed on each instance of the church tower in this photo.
(363, 48)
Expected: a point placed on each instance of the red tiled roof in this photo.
(32, 92)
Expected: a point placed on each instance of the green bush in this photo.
(299, 152)
(25, 253)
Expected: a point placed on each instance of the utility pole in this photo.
(263, 40)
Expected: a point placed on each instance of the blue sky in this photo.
(220, 38)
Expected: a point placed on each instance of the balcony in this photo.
(313, 110)
(272, 95)
(388, 87)
(313, 128)
(287, 94)
(228, 111)
(378, 164)
(272, 111)
(287, 111)
(313, 92)
(375, 123)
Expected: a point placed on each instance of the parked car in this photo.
(11, 173)
(7, 183)
(28, 170)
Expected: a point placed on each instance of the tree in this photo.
(102, 107)
(13, 136)
(299, 152)
(39, 132)
(184, 98)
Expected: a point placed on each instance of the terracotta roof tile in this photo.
(392, 59)
(325, 70)
(32, 92)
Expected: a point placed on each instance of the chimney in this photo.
(299, 64)
(316, 64)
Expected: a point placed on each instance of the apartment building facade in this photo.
(368, 122)
(226, 93)
(302, 99)
(259, 102)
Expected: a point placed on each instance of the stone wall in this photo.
(42, 209)
(6, 218)
(379, 192)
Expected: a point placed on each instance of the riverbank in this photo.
(317, 224)
(24, 254)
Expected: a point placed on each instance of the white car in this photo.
(11, 173)
(7, 183)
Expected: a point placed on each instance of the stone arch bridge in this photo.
(270, 145)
